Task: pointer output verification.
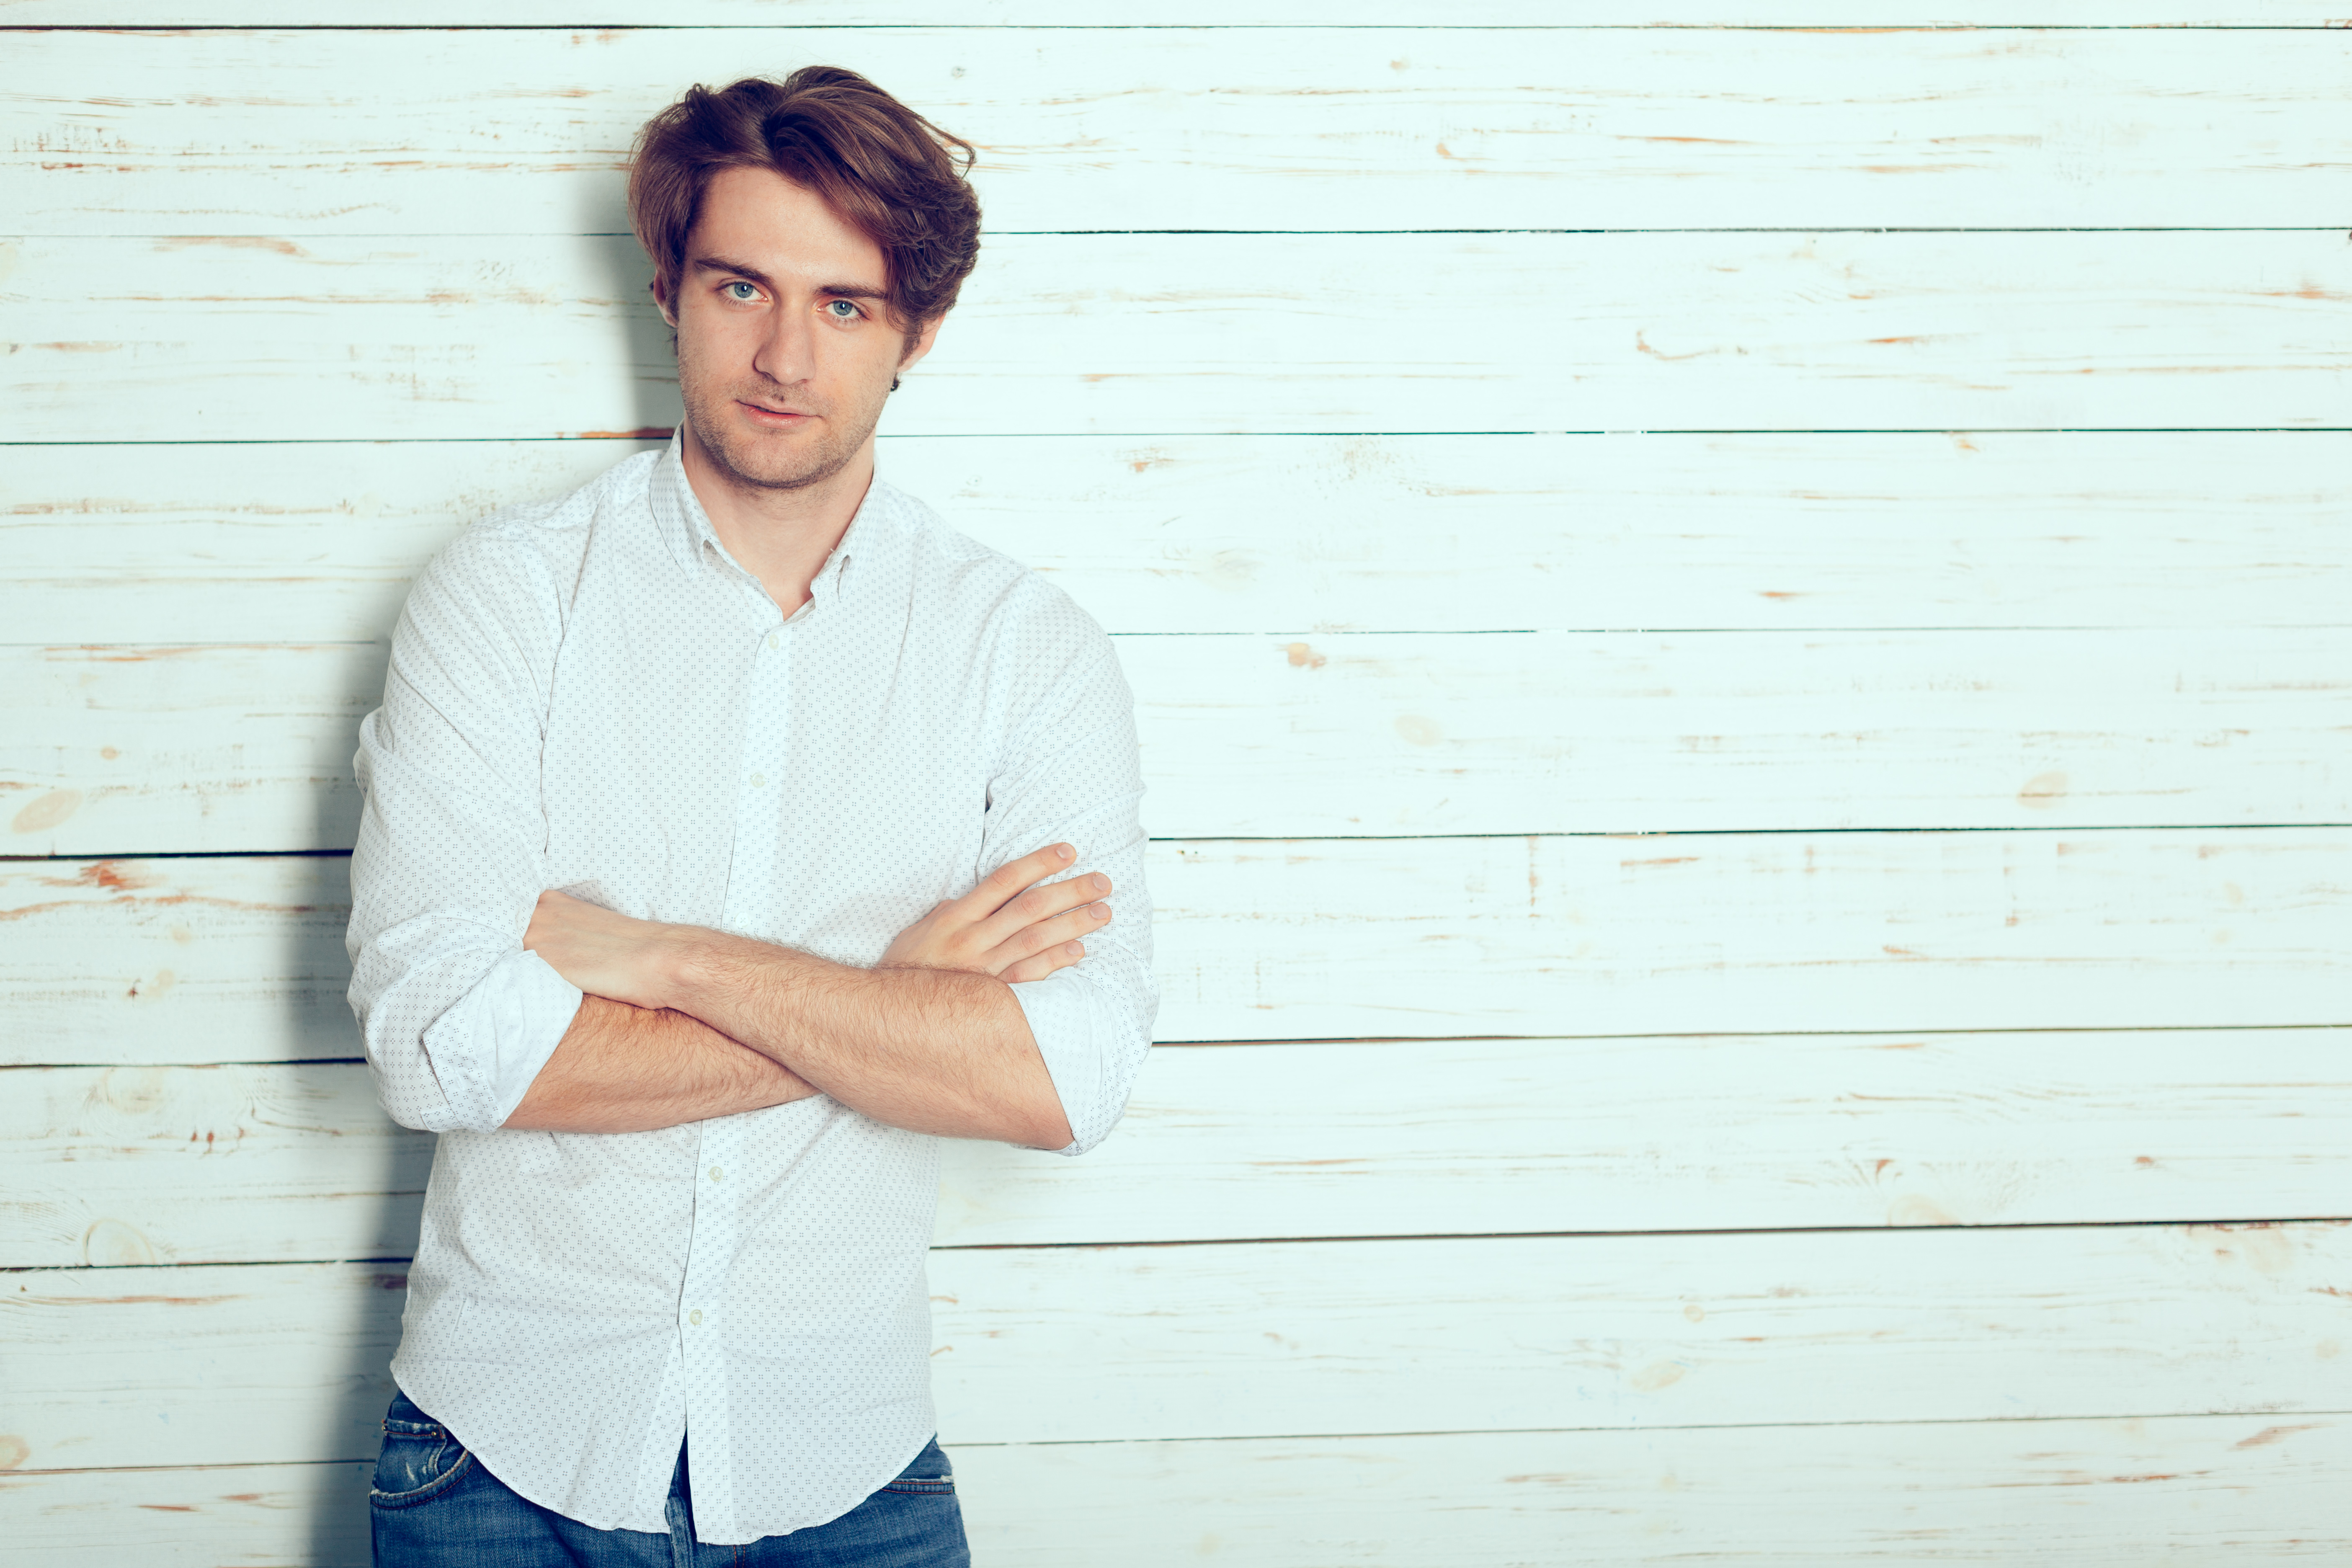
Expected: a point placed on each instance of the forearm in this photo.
(620, 1068)
(933, 1050)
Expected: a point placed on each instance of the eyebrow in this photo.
(721, 264)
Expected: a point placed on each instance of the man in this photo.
(734, 831)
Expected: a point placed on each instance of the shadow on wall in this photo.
(386, 1174)
(388, 1194)
(627, 273)
(374, 1290)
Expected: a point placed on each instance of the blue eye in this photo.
(842, 310)
(749, 291)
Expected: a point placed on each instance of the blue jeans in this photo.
(433, 1504)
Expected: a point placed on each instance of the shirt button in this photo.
(758, 781)
(716, 1174)
(774, 640)
(695, 1317)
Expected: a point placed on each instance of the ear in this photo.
(662, 303)
(923, 340)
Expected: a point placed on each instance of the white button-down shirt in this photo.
(593, 695)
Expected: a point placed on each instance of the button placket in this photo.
(708, 1246)
(759, 824)
(750, 883)
(702, 1317)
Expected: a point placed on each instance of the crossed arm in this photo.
(680, 1023)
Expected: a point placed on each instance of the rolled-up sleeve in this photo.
(455, 1015)
(1071, 772)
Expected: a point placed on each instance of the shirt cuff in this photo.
(1071, 1024)
(509, 1024)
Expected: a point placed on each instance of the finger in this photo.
(1038, 965)
(1044, 934)
(1042, 902)
(1002, 885)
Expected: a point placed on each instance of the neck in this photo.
(781, 537)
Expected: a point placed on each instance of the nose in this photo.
(787, 350)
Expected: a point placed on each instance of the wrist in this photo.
(679, 964)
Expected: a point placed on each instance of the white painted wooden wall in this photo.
(1742, 619)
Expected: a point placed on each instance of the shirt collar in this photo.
(686, 527)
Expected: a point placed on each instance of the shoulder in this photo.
(510, 567)
(556, 525)
(1019, 607)
(538, 544)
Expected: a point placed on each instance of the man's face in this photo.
(786, 352)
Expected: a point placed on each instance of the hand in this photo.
(604, 953)
(996, 929)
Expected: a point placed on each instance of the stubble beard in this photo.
(744, 459)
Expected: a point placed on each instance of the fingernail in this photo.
(1100, 911)
(1101, 883)
(1074, 950)
(1063, 852)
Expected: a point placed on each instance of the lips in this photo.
(762, 412)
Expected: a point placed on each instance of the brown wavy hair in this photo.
(889, 172)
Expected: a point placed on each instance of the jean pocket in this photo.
(927, 1473)
(419, 1458)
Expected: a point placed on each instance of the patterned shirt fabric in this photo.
(592, 695)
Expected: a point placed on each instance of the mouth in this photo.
(773, 418)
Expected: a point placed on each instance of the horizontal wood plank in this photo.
(278, 1162)
(213, 1516)
(317, 542)
(1641, 1331)
(1066, 334)
(106, 1367)
(235, 959)
(1671, 1133)
(1581, 732)
(204, 1164)
(2096, 1494)
(201, 749)
(241, 959)
(2084, 1493)
(167, 750)
(1737, 933)
(489, 131)
(268, 1363)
